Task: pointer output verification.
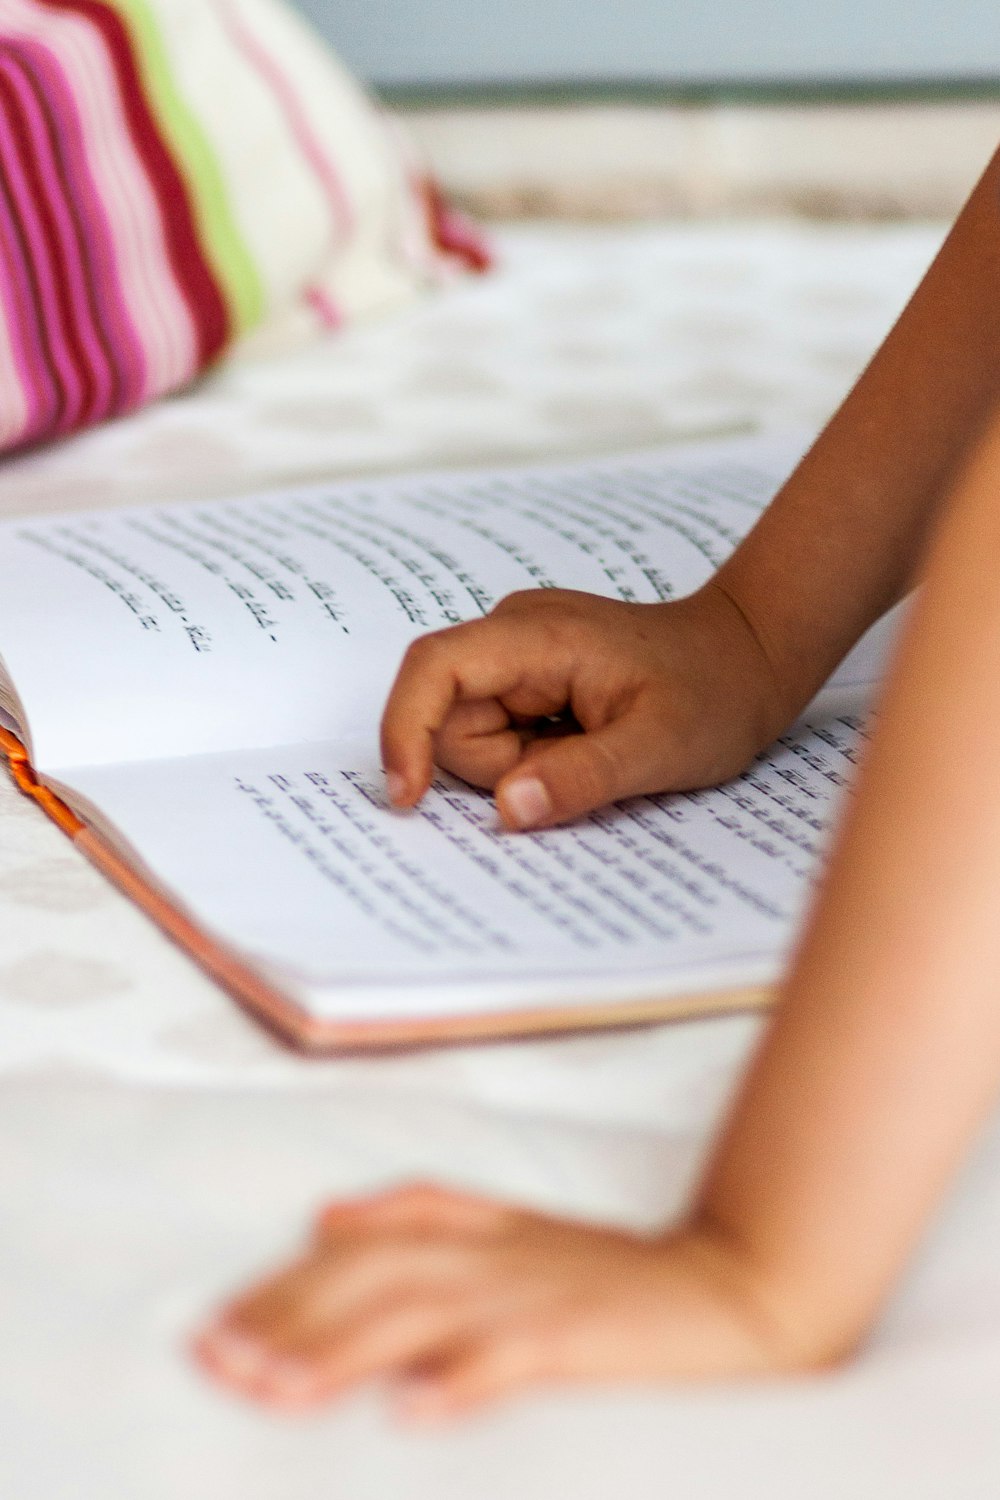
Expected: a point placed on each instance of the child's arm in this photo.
(884, 1057)
(684, 694)
(880, 1065)
(885, 1045)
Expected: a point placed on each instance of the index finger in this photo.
(481, 659)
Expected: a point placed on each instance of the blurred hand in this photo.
(463, 1301)
(665, 697)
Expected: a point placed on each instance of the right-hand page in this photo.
(165, 631)
(290, 856)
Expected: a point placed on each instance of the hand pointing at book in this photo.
(665, 697)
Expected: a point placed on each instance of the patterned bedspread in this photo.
(157, 1144)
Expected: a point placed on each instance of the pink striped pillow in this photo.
(177, 176)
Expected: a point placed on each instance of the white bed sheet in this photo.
(157, 1145)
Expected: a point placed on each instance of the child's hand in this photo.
(669, 697)
(464, 1301)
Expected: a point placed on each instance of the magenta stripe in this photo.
(88, 355)
(121, 348)
(92, 378)
(44, 273)
(16, 296)
(298, 121)
(23, 307)
(155, 300)
(323, 305)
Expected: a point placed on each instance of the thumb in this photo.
(557, 780)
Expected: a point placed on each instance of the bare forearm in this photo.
(839, 544)
(885, 1052)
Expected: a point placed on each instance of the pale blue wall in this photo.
(441, 41)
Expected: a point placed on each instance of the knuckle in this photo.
(420, 1193)
(426, 649)
(524, 601)
(519, 600)
(330, 1219)
(245, 1313)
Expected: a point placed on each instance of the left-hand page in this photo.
(175, 630)
(184, 630)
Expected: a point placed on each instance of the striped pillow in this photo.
(177, 176)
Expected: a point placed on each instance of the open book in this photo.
(193, 692)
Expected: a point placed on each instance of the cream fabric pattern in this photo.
(159, 1145)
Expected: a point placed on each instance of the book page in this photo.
(291, 856)
(163, 631)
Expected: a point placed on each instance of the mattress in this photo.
(158, 1146)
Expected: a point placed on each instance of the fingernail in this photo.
(526, 802)
(291, 1380)
(240, 1355)
(395, 786)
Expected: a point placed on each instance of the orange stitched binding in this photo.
(26, 780)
